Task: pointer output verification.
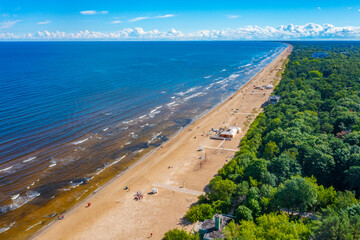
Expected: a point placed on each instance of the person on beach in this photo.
(89, 204)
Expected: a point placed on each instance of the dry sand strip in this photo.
(114, 214)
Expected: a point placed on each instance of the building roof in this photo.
(227, 133)
(209, 226)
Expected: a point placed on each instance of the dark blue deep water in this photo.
(60, 98)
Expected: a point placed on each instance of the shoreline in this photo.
(133, 178)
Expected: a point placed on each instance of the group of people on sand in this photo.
(138, 195)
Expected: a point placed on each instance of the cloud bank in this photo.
(308, 31)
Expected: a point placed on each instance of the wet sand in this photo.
(176, 168)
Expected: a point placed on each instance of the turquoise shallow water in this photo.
(69, 110)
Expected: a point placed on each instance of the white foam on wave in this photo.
(155, 109)
(170, 104)
(6, 169)
(100, 171)
(134, 135)
(82, 195)
(29, 159)
(154, 137)
(233, 76)
(208, 77)
(19, 201)
(74, 184)
(224, 86)
(142, 116)
(224, 70)
(194, 95)
(4, 229)
(110, 164)
(117, 160)
(208, 87)
(154, 112)
(127, 122)
(173, 97)
(186, 92)
(13, 197)
(32, 184)
(32, 226)
(53, 163)
(138, 151)
(127, 143)
(80, 141)
(105, 129)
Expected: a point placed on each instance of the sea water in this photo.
(75, 114)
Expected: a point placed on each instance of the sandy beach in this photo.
(176, 168)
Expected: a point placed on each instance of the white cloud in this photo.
(116, 22)
(144, 18)
(232, 16)
(310, 31)
(319, 8)
(165, 16)
(93, 12)
(8, 24)
(44, 22)
(138, 19)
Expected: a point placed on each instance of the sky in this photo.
(178, 19)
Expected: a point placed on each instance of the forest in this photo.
(297, 173)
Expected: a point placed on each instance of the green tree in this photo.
(271, 150)
(254, 206)
(353, 177)
(221, 189)
(243, 213)
(177, 234)
(326, 196)
(338, 225)
(240, 192)
(269, 226)
(284, 167)
(256, 169)
(221, 206)
(200, 212)
(296, 194)
(315, 74)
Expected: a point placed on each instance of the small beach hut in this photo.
(155, 190)
(230, 132)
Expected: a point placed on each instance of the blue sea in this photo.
(73, 114)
